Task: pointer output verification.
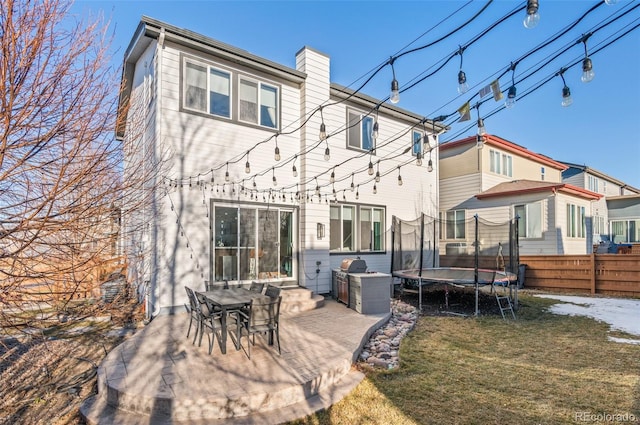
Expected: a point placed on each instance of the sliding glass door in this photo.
(252, 243)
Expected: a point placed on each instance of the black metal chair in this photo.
(262, 317)
(210, 320)
(272, 291)
(256, 287)
(194, 312)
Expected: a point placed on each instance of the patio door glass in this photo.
(252, 243)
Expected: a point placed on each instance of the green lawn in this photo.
(541, 369)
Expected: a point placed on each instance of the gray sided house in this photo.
(617, 214)
(240, 182)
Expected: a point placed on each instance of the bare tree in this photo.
(60, 165)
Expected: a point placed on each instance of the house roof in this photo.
(594, 172)
(508, 146)
(520, 187)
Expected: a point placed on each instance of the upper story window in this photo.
(416, 143)
(360, 132)
(593, 183)
(542, 173)
(500, 163)
(258, 103)
(221, 93)
(207, 89)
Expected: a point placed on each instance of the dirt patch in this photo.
(453, 301)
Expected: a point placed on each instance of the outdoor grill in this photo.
(341, 277)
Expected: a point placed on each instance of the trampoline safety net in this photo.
(426, 242)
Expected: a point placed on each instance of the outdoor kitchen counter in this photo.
(370, 293)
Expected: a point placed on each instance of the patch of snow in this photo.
(622, 314)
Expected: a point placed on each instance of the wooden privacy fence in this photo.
(612, 274)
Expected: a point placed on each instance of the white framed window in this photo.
(258, 103)
(592, 183)
(625, 231)
(207, 89)
(598, 225)
(529, 220)
(500, 163)
(453, 225)
(542, 173)
(576, 226)
(360, 131)
(356, 228)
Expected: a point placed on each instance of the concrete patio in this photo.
(159, 377)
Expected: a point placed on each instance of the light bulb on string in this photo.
(532, 18)
(212, 176)
(247, 166)
(327, 153)
(511, 97)
(463, 86)
(419, 159)
(332, 177)
(587, 65)
(376, 129)
(323, 128)
(353, 186)
(317, 188)
(226, 174)
(275, 182)
(567, 100)
(430, 165)
(358, 192)
(394, 97)
(276, 154)
(378, 172)
(375, 189)
(370, 169)
(399, 178)
(294, 169)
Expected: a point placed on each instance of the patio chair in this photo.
(210, 320)
(194, 312)
(256, 287)
(262, 317)
(272, 291)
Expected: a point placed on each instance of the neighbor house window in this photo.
(258, 103)
(598, 225)
(354, 226)
(542, 173)
(360, 131)
(453, 226)
(625, 231)
(576, 227)
(593, 183)
(529, 220)
(207, 89)
(500, 163)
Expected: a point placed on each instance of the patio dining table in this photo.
(228, 300)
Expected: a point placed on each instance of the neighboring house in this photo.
(205, 120)
(499, 180)
(616, 216)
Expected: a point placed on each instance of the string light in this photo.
(378, 172)
(395, 87)
(226, 174)
(212, 176)
(323, 128)
(419, 159)
(430, 164)
(247, 166)
(276, 154)
(375, 131)
(533, 17)
(295, 171)
(332, 177)
(511, 95)
(399, 177)
(358, 192)
(566, 92)
(375, 189)
(481, 130)
(353, 186)
(463, 87)
(370, 169)
(317, 187)
(327, 153)
(587, 66)
(275, 182)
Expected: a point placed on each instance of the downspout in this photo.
(158, 131)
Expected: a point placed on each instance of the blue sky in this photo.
(601, 129)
